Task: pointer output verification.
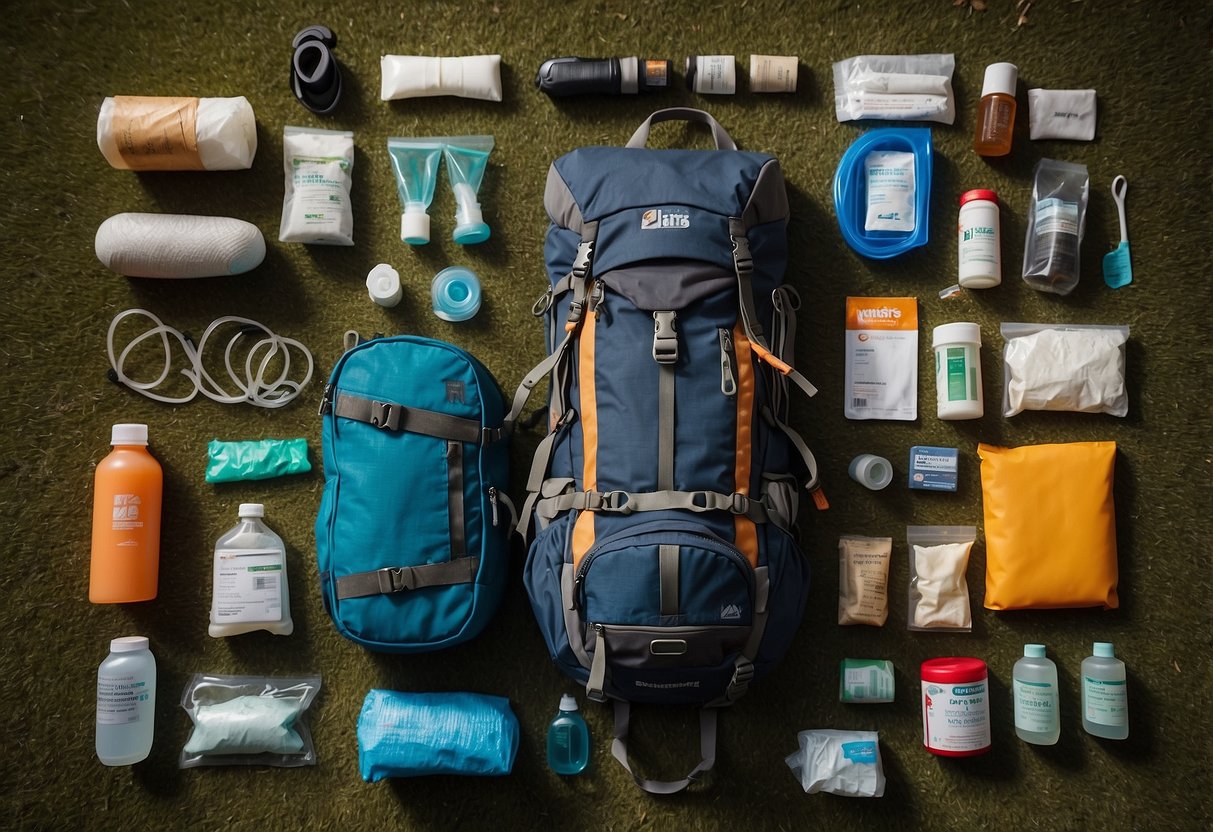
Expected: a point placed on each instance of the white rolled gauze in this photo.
(413, 76)
(136, 132)
(178, 245)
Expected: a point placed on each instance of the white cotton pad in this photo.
(178, 245)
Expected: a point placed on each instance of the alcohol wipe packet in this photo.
(881, 375)
(839, 762)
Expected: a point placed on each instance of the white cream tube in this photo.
(413, 76)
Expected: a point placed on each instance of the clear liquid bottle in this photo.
(249, 589)
(1105, 694)
(568, 739)
(128, 484)
(1034, 680)
(126, 702)
(996, 112)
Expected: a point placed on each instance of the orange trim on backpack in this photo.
(769, 357)
(745, 533)
(583, 529)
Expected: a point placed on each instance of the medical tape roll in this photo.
(137, 132)
(178, 245)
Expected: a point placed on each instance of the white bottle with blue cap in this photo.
(1105, 694)
(1034, 684)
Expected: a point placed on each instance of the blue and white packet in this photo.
(839, 762)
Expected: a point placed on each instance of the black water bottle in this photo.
(560, 77)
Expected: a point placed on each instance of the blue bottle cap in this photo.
(456, 294)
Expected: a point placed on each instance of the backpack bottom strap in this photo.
(707, 750)
(398, 579)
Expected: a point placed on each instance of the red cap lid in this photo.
(953, 669)
(978, 193)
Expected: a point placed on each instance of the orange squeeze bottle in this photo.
(126, 521)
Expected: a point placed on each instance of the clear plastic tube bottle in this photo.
(568, 739)
(996, 113)
(126, 702)
(1105, 695)
(1034, 681)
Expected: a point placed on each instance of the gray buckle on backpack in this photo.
(742, 676)
(665, 338)
(385, 415)
(618, 502)
(741, 503)
(395, 579)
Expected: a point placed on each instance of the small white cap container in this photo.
(871, 471)
(383, 285)
(128, 434)
(1000, 78)
(415, 224)
(251, 510)
(958, 371)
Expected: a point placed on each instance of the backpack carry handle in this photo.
(723, 140)
(707, 749)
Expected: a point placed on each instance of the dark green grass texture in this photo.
(1150, 64)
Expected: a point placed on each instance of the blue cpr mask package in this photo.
(256, 460)
(868, 228)
(418, 734)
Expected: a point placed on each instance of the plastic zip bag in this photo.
(1070, 367)
(939, 590)
(255, 459)
(895, 88)
(248, 721)
(1057, 217)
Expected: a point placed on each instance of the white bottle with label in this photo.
(958, 371)
(1034, 682)
(249, 590)
(1105, 694)
(978, 244)
(126, 702)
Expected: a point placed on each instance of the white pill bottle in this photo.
(979, 261)
(958, 371)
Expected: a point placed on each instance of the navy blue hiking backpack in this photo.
(664, 496)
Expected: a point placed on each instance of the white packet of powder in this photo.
(316, 207)
(890, 187)
(1071, 367)
(839, 762)
(863, 579)
(939, 590)
(881, 370)
(895, 88)
(1061, 114)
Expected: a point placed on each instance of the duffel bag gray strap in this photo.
(707, 750)
(401, 578)
(719, 135)
(397, 417)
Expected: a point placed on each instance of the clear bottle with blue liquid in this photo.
(568, 739)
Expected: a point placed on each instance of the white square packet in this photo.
(1061, 114)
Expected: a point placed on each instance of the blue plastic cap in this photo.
(455, 293)
(1103, 650)
(476, 232)
(1034, 651)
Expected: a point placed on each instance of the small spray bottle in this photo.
(568, 739)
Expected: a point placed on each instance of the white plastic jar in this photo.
(979, 261)
(958, 371)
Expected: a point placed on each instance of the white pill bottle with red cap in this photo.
(978, 240)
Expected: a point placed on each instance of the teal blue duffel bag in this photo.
(412, 537)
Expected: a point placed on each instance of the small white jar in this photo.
(978, 244)
(958, 371)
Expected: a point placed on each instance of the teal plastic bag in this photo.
(417, 734)
(256, 460)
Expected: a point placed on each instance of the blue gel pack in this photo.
(418, 734)
(933, 469)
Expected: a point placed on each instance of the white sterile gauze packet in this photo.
(1061, 114)
(248, 720)
(939, 590)
(839, 762)
(319, 175)
(890, 186)
(881, 369)
(1071, 367)
(895, 88)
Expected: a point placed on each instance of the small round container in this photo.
(958, 371)
(456, 294)
(978, 243)
(955, 707)
(871, 471)
(383, 285)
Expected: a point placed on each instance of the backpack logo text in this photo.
(657, 218)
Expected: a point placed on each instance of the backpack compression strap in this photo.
(707, 750)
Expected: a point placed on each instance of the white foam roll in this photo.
(178, 245)
(225, 131)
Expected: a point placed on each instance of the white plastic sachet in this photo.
(890, 187)
(839, 762)
(881, 373)
(1071, 367)
(895, 88)
(1061, 114)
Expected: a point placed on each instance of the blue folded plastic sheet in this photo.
(417, 734)
(255, 460)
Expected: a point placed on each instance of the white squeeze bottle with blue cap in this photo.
(126, 702)
(1105, 694)
(568, 739)
(1034, 684)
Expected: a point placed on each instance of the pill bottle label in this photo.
(1107, 702)
(118, 698)
(1035, 706)
(956, 717)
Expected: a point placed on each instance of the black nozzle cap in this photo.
(315, 73)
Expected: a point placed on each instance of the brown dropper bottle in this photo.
(996, 114)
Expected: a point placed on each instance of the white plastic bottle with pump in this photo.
(250, 588)
(1034, 681)
(1105, 694)
(126, 702)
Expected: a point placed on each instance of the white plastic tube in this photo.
(136, 132)
(412, 76)
(178, 245)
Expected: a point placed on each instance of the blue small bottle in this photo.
(568, 739)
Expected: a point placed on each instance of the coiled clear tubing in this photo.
(253, 387)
